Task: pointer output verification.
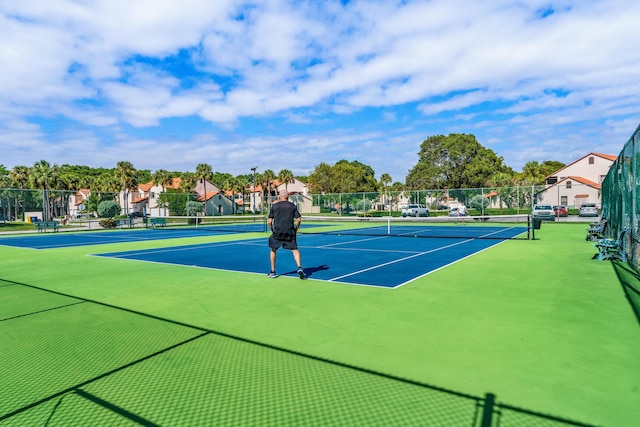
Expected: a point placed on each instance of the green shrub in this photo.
(193, 208)
(107, 223)
(108, 209)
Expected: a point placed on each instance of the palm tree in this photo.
(385, 179)
(239, 186)
(42, 175)
(286, 177)
(267, 178)
(163, 178)
(19, 176)
(126, 174)
(228, 185)
(188, 183)
(243, 185)
(204, 172)
(5, 183)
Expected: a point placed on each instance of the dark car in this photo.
(560, 210)
(136, 215)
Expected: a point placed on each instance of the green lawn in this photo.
(537, 323)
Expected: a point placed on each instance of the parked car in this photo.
(560, 210)
(588, 209)
(544, 212)
(136, 214)
(456, 212)
(415, 210)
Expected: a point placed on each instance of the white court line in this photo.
(399, 260)
(125, 254)
(351, 241)
(446, 265)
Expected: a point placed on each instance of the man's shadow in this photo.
(308, 271)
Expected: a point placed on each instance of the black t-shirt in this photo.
(283, 214)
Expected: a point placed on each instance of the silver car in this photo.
(588, 209)
(543, 212)
(415, 210)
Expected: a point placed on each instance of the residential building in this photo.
(578, 182)
(299, 195)
(78, 202)
(145, 198)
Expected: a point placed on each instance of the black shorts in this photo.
(275, 244)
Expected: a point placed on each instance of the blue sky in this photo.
(290, 84)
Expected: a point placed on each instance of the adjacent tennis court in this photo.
(102, 237)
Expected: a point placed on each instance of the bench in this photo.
(127, 222)
(609, 249)
(158, 222)
(595, 231)
(43, 226)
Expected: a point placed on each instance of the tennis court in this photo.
(521, 332)
(382, 261)
(103, 237)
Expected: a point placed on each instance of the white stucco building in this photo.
(578, 182)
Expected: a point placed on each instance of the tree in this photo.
(163, 178)
(4, 177)
(219, 178)
(320, 179)
(454, 161)
(19, 177)
(234, 186)
(268, 176)
(532, 174)
(108, 208)
(385, 179)
(188, 182)
(244, 185)
(143, 175)
(193, 208)
(286, 177)
(343, 177)
(204, 173)
(42, 176)
(125, 173)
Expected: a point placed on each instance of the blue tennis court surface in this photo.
(86, 238)
(381, 261)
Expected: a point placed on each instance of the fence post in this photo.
(487, 412)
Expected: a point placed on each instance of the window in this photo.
(568, 185)
(592, 160)
(564, 200)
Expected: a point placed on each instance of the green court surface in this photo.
(538, 324)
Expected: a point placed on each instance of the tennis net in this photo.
(211, 224)
(474, 227)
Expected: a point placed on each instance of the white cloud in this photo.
(498, 68)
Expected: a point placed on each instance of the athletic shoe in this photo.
(301, 273)
(272, 275)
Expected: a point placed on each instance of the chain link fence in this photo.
(23, 204)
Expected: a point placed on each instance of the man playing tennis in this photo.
(282, 215)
